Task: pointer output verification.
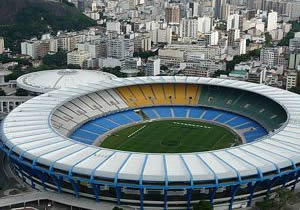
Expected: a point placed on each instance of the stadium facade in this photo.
(37, 138)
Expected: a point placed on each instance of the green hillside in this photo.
(24, 19)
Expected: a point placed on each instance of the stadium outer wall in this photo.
(225, 194)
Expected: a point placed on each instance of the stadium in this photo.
(158, 142)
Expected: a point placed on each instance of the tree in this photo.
(266, 204)
(203, 205)
(291, 34)
(117, 208)
(14, 75)
(73, 66)
(283, 196)
(163, 67)
(268, 41)
(248, 41)
(57, 60)
(145, 55)
(219, 72)
(254, 53)
(2, 92)
(286, 40)
(242, 58)
(21, 92)
(295, 90)
(115, 71)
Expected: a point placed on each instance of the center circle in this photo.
(170, 143)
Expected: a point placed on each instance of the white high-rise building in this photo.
(189, 28)
(120, 48)
(162, 35)
(113, 26)
(236, 34)
(272, 21)
(214, 38)
(233, 22)
(77, 57)
(92, 48)
(1, 45)
(94, 6)
(204, 24)
(30, 48)
(243, 46)
(153, 66)
(291, 80)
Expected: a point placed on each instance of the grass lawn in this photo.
(170, 137)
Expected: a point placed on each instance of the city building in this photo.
(214, 38)
(77, 57)
(271, 56)
(93, 48)
(172, 15)
(204, 24)
(152, 66)
(243, 46)
(291, 79)
(295, 42)
(30, 48)
(142, 43)
(294, 60)
(233, 22)
(272, 21)
(113, 27)
(198, 72)
(120, 47)
(2, 48)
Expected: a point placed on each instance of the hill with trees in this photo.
(24, 19)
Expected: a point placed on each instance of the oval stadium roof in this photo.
(45, 81)
(28, 132)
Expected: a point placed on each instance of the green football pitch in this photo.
(171, 136)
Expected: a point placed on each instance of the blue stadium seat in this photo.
(164, 112)
(196, 112)
(225, 117)
(149, 112)
(238, 121)
(132, 115)
(85, 135)
(254, 134)
(105, 123)
(85, 141)
(118, 118)
(250, 124)
(211, 114)
(180, 111)
(93, 128)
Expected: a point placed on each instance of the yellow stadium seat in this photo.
(180, 94)
(141, 99)
(169, 92)
(193, 93)
(125, 93)
(159, 94)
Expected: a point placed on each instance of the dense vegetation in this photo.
(115, 71)
(24, 19)
(145, 55)
(279, 201)
(55, 61)
(290, 35)
(242, 58)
